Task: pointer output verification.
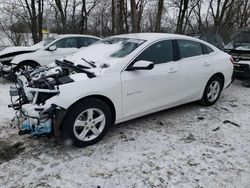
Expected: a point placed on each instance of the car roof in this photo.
(203, 34)
(76, 35)
(153, 36)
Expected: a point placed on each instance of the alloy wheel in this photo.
(213, 91)
(89, 124)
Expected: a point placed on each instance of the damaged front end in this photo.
(5, 68)
(33, 88)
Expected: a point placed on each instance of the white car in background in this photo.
(43, 53)
(117, 79)
(9, 53)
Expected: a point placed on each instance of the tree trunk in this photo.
(159, 15)
(40, 19)
(133, 16)
(62, 15)
(182, 11)
(126, 16)
(113, 17)
(139, 14)
(73, 18)
(33, 19)
(120, 16)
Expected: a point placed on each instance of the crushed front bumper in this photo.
(36, 120)
(33, 118)
(6, 70)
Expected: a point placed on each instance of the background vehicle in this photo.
(240, 51)
(213, 39)
(131, 75)
(61, 46)
(9, 53)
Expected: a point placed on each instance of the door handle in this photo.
(206, 63)
(172, 70)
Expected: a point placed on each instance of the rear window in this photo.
(189, 48)
(206, 49)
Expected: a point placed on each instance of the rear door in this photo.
(195, 68)
(144, 91)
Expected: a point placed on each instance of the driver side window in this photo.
(66, 43)
(160, 52)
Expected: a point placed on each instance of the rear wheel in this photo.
(87, 122)
(212, 91)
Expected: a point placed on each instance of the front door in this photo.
(144, 91)
(65, 47)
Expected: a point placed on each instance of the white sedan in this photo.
(43, 53)
(117, 79)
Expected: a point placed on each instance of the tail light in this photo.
(232, 60)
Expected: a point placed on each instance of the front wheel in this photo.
(87, 122)
(212, 91)
(25, 66)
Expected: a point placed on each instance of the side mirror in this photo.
(52, 48)
(141, 65)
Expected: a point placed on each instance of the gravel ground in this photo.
(187, 146)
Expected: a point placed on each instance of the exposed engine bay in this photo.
(31, 91)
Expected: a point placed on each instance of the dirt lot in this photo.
(188, 146)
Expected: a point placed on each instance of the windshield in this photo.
(242, 40)
(106, 51)
(127, 45)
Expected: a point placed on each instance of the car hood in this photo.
(17, 49)
(97, 54)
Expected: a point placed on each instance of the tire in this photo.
(24, 65)
(86, 123)
(210, 97)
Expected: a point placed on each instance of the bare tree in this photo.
(85, 11)
(139, 12)
(63, 13)
(113, 16)
(183, 7)
(189, 12)
(159, 15)
(40, 19)
(218, 12)
(133, 16)
(198, 15)
(243, 14)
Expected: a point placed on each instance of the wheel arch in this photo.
(219, 74)
(28, 61)
(103, 98)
